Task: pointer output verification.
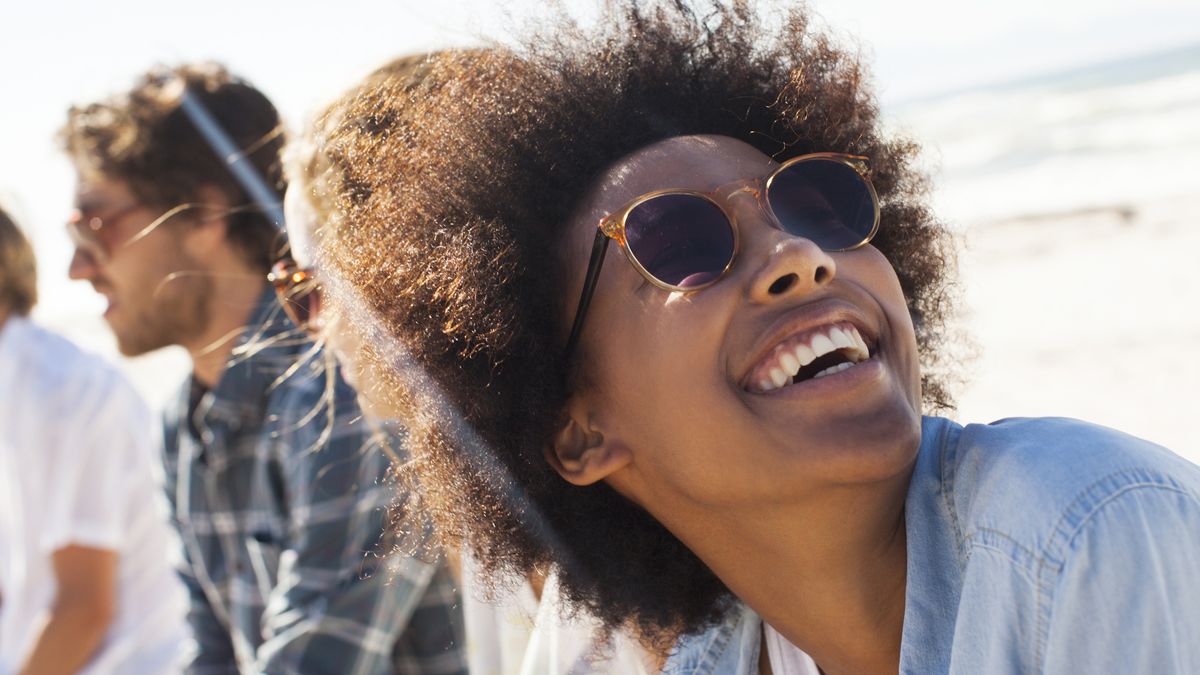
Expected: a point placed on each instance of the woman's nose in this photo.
(783, 265)
(786, 265)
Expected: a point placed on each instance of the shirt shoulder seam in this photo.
(1075, 518)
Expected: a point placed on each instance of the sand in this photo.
(1093, 314)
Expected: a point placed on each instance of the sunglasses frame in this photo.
(612, 226)
(289, 280)
(85, 234)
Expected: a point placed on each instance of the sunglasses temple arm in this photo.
(599, 247)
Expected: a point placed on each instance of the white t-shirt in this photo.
(498, 628)
(515, 634)
(78, 467)
(785, 657)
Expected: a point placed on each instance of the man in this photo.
(275, 482)
(85, 579)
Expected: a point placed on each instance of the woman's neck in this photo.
(828, 574)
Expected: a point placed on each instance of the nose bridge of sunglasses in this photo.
(730, 195)
(753, 187)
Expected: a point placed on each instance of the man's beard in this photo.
(175, 313)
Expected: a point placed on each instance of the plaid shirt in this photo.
(277, 489)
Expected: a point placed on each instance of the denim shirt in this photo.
(1034, 546)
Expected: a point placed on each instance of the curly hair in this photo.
(445, 204)
(145, 138)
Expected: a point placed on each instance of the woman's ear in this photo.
(580, 452)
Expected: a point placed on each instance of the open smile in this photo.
(813, 354)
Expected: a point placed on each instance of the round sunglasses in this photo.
(686, 240)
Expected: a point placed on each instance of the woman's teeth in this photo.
(833, 369)
(789, 358)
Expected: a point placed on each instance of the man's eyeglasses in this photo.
(95, 235)
(686, 240)
(299, 293)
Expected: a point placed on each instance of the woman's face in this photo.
(681, 382)
(302, 223)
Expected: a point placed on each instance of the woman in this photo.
(515, 628)
(712, 426)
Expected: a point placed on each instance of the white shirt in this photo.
(498, 626)
(785, 657)
(77, 467)
(515, 634)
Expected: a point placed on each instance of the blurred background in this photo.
(1063, 136)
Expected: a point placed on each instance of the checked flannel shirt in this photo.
(277, 487)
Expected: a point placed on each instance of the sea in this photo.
(1077, 195)
(1109, 135)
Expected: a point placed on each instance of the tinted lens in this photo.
(823, 200)
(302, 304)
(682, 240)
(87, 240)
(298, 292)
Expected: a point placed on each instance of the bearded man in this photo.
(275, 482)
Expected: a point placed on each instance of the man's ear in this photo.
(210, 221)
(580, 452)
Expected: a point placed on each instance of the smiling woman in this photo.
(729, 422)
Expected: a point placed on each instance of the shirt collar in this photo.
(262, 355)
(12, 335)
(8, 330)
(729, 647)
(935, 565)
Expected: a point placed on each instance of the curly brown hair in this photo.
(372, 103)
(18, 269)
(445, 205)
(145, 138)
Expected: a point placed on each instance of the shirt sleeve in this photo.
(340, 602)
(1127, 599)
(211, 648)
(103, 447)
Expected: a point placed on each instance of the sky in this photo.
(302, 53)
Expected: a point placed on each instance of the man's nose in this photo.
(83, 265)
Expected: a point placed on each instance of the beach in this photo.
(1076, 196)
(1093, 314)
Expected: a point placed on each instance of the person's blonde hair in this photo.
(18, 269)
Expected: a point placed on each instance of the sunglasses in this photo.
(88, 232)
(96, 236)
(686, 240)
(298, 291)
